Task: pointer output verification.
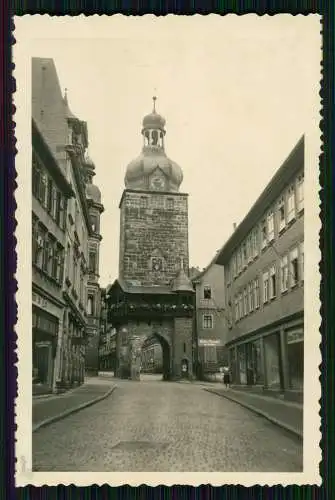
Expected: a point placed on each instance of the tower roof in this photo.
(181, 282)
(153, 156)
(153, 120)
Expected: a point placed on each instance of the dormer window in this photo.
(207, 292)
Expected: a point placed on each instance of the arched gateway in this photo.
(153, 294)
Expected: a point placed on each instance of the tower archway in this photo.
(156, 356)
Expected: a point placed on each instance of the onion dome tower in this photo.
(139, 171)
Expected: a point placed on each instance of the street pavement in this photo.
(165, 426)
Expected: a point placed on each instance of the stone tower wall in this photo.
(153, 224)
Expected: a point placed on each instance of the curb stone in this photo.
(262, 413)
(66, 413)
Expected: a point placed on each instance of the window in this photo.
(240, 305)
(38, 246)
(284, 274)
(249, 247)
(281, 214)
(263, 234)
(54, 260)
(208, 321)
(271, 226)
(273, 284)
(302, 261)
(58, 207)
(46, 254)
(244, 254)
(170, 203)
(62, 208)
(210, 355)
(255, 244)
(290, 204)
(256, 293)
(94, 223)
(49, 196)
(237, 317)
(207, 292)
(68, 261)
(294, 267)
(300, 192)
(250, 297)
(92, 262)
(234, 265)
(245, 301)
(90, 305)
(74, 270)
(60, 266)
(265, 287)
(239, 260)
(143, 202)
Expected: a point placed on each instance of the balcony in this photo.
(121, 310)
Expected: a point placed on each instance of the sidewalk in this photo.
(50, 409)
(285, 414)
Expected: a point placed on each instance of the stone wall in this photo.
(153, 224)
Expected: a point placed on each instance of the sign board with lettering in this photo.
(209, 342)
(295, 336)
(39, 300)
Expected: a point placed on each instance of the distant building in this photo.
(95, 209)
(264, 277)
(151, 357)
(63, 207)
(210, 319)
(107, 337)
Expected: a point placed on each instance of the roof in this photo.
(48, 107)
(182, 283)
(150, 290)
(293, 163)
(205, 269)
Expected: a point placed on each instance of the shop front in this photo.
(273, 360)
(44, 338)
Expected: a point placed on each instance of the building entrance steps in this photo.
(50, 409)
(285, 414)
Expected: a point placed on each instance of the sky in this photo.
(237, 93)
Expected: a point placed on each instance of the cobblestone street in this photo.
(157, 426)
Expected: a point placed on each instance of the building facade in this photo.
(264, 280)
(67, 206)
(151, 357)
(50, 195)
(95, 209)
(210, 319)
(153, 296)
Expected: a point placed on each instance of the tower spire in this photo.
(154, 101)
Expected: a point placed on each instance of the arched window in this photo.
(90, 305)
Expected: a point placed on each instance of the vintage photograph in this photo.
(170, 167)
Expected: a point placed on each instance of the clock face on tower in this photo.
(157, 183)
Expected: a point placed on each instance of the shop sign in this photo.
(39, 301)
(295, 336)
(42, 344)
(208, 342)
